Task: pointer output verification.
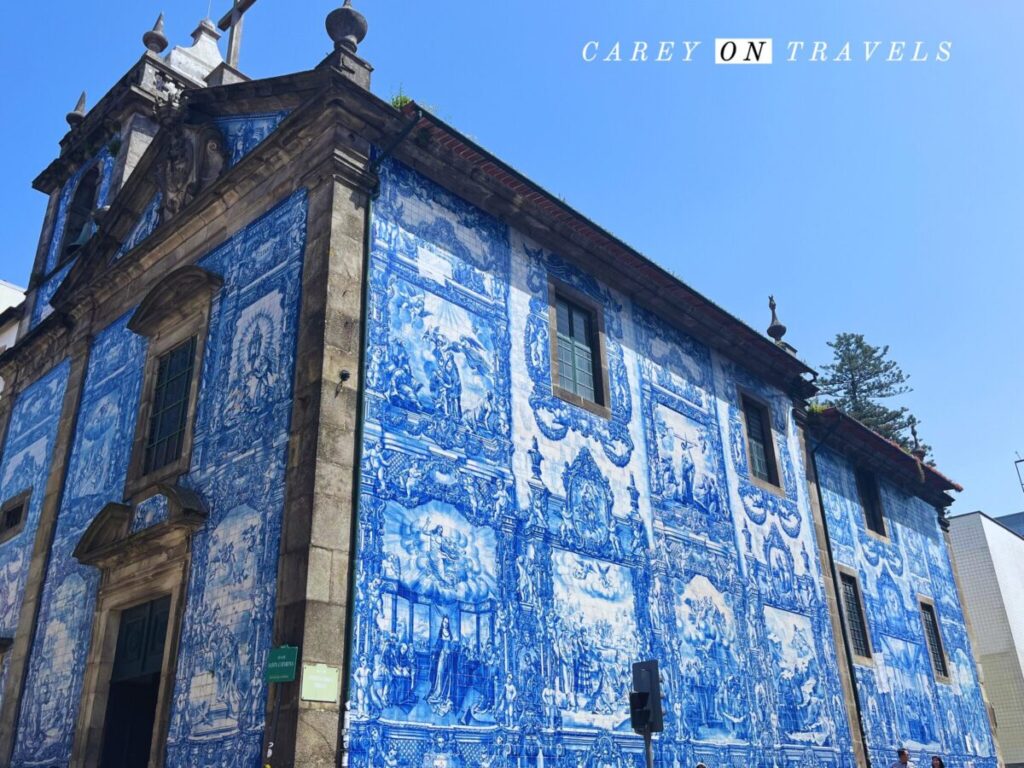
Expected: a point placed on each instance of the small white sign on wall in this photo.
(320, 682)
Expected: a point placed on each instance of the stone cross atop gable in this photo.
(233, 20)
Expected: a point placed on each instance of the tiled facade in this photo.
(27, 455)
(517, 552)
(96, 475)
(903, 702)
(237, 467)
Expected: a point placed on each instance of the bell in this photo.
(84, 236)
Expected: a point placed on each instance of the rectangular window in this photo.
(169, 413)
(934, 638)
(760, 446)
(871, 501)
(578, 352)
(855, 622)
(12, 516)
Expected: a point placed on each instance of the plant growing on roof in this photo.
(857, 380)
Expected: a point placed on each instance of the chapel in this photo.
(329, 438)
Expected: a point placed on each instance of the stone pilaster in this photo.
(321, 493)
(7, 400)
(136, 137)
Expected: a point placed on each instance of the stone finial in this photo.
(77, 115)
(346, 27)
(776, 330)
(155, 40)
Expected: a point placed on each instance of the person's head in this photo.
(701, 765)
(937, 762)
(903, 756)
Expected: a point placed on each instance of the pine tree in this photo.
(859, 377)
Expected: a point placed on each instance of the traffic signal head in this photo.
(647, 712)
(639, 712)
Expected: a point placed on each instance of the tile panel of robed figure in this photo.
(237, 468)
(517, 552)
(902, 701)
(24, 471)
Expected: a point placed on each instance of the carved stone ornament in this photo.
(110, 537)
(195, 158)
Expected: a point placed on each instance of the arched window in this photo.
(79, 214)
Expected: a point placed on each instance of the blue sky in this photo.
(879, 198)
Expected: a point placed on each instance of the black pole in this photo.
(273, 728)
(649, 747)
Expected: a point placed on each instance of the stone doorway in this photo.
(143, 553)
(135, 685)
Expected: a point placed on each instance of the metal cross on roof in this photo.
(233, 20)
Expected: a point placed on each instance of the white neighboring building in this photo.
(990, 564)
(11, 298)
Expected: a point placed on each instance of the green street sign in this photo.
(281, 664)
